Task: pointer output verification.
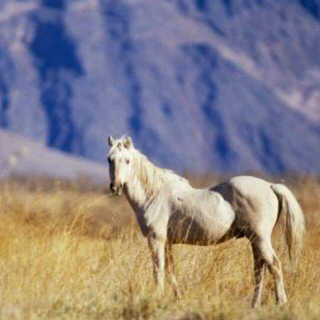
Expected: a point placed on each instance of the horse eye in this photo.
(127, 161)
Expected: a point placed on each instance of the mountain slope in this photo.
(22, 156)
(200, 85)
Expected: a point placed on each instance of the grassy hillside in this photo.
(72, 252)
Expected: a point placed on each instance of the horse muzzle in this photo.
(116, 189)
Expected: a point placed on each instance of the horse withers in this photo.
(170, 211)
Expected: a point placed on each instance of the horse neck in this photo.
(145, 182)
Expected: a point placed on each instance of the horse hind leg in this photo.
(275, 269)
(273, 264)
(259, 269)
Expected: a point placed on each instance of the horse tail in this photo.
(295, 222)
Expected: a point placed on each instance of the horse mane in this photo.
(150, 176)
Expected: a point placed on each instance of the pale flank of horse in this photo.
(170, 211)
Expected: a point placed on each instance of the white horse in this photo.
(170, 211)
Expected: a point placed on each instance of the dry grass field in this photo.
(69, 251)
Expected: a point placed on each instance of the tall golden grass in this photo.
(68, 251)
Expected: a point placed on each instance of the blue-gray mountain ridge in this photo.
(200, 85)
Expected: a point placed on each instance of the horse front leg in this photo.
(171, 271)
(157, 248)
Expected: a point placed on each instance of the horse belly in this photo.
(201, 227)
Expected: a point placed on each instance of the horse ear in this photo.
(110, 141)
(127, 142)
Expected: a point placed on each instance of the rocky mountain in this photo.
(225, 85)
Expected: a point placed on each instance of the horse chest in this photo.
(145, 229)
(146, 223)
(139, 213)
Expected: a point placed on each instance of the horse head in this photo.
(120, 163)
